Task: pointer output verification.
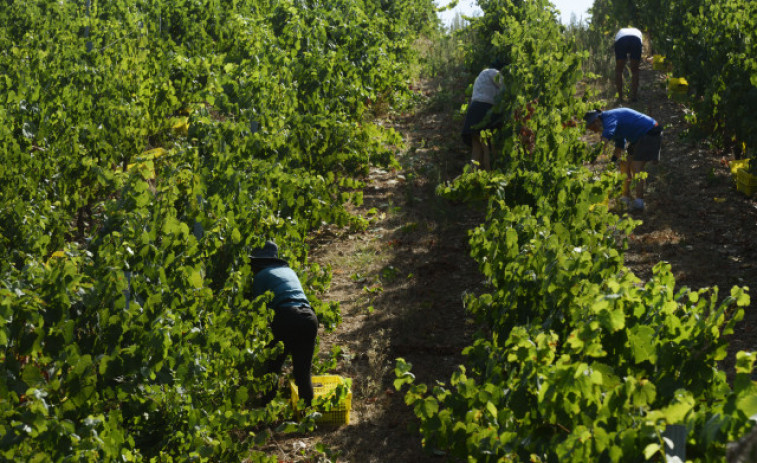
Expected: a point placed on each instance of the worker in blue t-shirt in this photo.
(639, 134)
(294, 321)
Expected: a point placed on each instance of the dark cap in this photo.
(267, 254)
(592, 116)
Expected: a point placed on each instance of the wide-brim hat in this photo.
(268, 253)
(592, 116)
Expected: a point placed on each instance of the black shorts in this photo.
(477, 113)
(647, 148)
(628, 45)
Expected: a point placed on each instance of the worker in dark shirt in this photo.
(639, 134)
(294, 321)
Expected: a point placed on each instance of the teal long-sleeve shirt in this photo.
(283, 283)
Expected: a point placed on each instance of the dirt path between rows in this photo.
(400, 285)
(401, 282)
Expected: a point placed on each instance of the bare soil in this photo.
(401, 282)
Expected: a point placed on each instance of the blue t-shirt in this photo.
(283, 283)
(625, 125)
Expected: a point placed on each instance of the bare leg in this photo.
(625, 168)
(634, 79)
(636, 167)
(486, 158)
(478, 151)
(620, 65)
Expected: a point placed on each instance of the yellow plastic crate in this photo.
(678, 89)
(605, 203)
(746, 182)
(147, 168)
(144, 162)
(658, 63)
(180, 125)
(737, 164)
(154, 153)
(323, 389)
(678, 85)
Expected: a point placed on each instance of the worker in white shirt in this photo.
(627, 44)
(481, 116)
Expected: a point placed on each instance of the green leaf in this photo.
(748, 404)
(195, 279)
(492, 409)
(241, 395)
(741, 296)
(650, 450)
(404, 378)
(615, 453)
(236, 237)
(676, 412)
(287, 427)
(745, 362)
(613, 319)
(644, 394)
(429, 406)
(641, 339)
(402, 373)
(32, 376)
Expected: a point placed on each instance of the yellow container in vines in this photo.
(146, 168)
(154, 153)
(678, 85)
(746, 182)
(180, 125)
(658, 63)
(334, 410)
(605, 203)
(737, 164)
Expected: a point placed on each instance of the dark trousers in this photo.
(296, 327)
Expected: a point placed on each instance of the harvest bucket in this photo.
(324, 390)
(678, 85)
(737, 164)
(746, 182)
(658, 63)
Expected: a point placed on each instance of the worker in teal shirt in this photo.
(639, 134)
(294, 321)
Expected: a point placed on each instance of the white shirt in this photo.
(626, 31)
(487, 85)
